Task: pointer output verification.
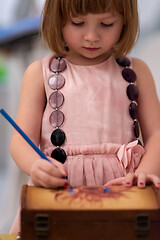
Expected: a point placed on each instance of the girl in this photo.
(87, 100)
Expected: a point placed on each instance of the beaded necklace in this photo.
(132, 92)
(56, 100)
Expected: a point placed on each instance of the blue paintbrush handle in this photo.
(10, 120)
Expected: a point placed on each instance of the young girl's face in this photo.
(91, 37)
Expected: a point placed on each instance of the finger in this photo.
(141, 180)
(50, 169)
(48, 181)
(118, 181)
(60, 166)
(154, 179)
(129, 179)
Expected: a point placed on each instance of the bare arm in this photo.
(29, 118)
(32, 103)
(148, 170)
(149, 117)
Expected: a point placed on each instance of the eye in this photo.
(77, 23)
(107, 25)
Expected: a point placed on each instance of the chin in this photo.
(91, 56)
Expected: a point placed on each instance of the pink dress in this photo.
(100, 142)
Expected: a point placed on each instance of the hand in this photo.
(141, 180)
(45, 174)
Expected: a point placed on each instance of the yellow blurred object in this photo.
(8, 236)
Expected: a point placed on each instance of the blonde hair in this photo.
(57, 12)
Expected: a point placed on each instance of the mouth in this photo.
(91, 49)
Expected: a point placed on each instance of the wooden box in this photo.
(90, 213)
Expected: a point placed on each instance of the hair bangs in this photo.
(84, 7)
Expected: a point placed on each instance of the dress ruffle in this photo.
(98, 164)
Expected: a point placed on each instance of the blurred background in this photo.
(20, 44)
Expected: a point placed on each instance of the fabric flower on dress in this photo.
(129, 156)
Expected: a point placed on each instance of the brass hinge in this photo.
(42, 225)
(142, 225)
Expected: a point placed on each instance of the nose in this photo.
(91, 35)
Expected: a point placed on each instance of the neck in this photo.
(81, 60)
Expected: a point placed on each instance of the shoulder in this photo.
(39, 66)
(33, 83)
(145, 81)
(141, 68)
(144, 76)
(136, 62)
(33, 75)
(34, 68)
(148, 100)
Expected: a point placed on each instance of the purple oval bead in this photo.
(58, 65)
(58, 137)
(124, 62)
(136, 128)
(59, 154)
(56, 99)
(56, 118)
(133, 110)
(132, 92)
(129, 75)
(56, 81)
